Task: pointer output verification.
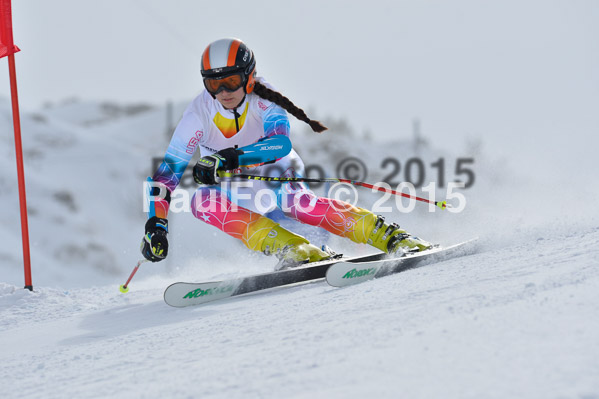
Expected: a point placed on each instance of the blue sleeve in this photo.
(275, 121)
(266, 150)
(179, 152)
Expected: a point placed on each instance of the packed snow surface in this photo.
(520, 321)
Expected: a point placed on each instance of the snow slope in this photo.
(520, 321)
(517, 319)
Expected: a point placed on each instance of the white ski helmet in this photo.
(228, 64)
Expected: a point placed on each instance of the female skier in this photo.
(239, 123)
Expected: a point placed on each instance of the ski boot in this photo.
(393, 240)
(291, 249)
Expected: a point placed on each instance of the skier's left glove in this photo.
(154, 246)
(205, 171)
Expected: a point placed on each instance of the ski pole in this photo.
(440, 204)
(125, 287)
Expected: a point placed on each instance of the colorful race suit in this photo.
(238, 208)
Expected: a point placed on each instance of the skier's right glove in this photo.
(154, 246)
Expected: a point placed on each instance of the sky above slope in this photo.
(503, 71)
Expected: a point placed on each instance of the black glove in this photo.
(205, 171)
(154, 246)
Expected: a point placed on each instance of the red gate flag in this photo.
(7, 47)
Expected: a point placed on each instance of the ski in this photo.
(346, 273)
(183, 294)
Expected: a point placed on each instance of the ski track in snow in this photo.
(517, 321)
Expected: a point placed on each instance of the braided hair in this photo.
(282, 101)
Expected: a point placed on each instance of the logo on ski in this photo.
(210, 291)
(359, 273)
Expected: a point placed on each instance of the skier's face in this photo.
(232, 99)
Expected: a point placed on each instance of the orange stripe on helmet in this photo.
(206, 59)
(233, 53)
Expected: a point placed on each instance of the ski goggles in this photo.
(229, 83)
